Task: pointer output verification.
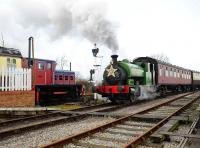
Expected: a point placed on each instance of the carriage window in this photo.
(160, 72)
(41, 66)
(60, 77)
(66, 77)
(56, 77)
(71, 77)
(174, 73)
(48, 65)
(171, 72)
(166, 72)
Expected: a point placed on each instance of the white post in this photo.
(29, 79)
(6, 79)
(2, 79)
(13, 79)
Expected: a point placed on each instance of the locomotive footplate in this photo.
(56, 94)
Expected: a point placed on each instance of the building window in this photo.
(11, 63)
(41, 65)
(8, 60)
(14, 61)
(48, 66)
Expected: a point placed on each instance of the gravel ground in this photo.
(114, 136)
(175, 139)
(139, 123)
(72, 146)
(102, 142)
(170, 145)
(140, 106)
(132, 127)
(124, 131)
(45, 135)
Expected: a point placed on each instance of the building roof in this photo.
(10, 52)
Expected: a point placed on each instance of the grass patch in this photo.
(65, 107)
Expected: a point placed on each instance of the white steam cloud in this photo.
(59, 18)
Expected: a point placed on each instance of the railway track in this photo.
(21, 125)
(130, 130)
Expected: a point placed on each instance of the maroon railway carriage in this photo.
(168, 76)
(64, 77)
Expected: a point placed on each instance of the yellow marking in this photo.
(111, 71)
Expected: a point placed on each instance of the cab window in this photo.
(48, 66)
(41, 65)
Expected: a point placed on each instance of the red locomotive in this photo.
(51, 85)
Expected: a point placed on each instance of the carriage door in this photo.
(40, 73)
(49, 73)
(152, 74)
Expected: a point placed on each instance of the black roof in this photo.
(10, 52)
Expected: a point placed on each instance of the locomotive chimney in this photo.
(30, 49)
(114, 59)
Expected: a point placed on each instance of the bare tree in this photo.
(2, 39)
(62, 62)
(160, 57)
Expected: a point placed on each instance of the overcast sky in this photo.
(132, 28)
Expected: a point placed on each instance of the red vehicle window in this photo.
(41, 66)
(66, 77)
(56, 77)
(71, 78)
(48, 65)
(60, 77)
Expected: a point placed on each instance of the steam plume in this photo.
(95, 27)
(59, 18)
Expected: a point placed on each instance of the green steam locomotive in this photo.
(144, 78)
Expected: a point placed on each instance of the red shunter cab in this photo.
(42, 71)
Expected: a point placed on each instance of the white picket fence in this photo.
(12, 79)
